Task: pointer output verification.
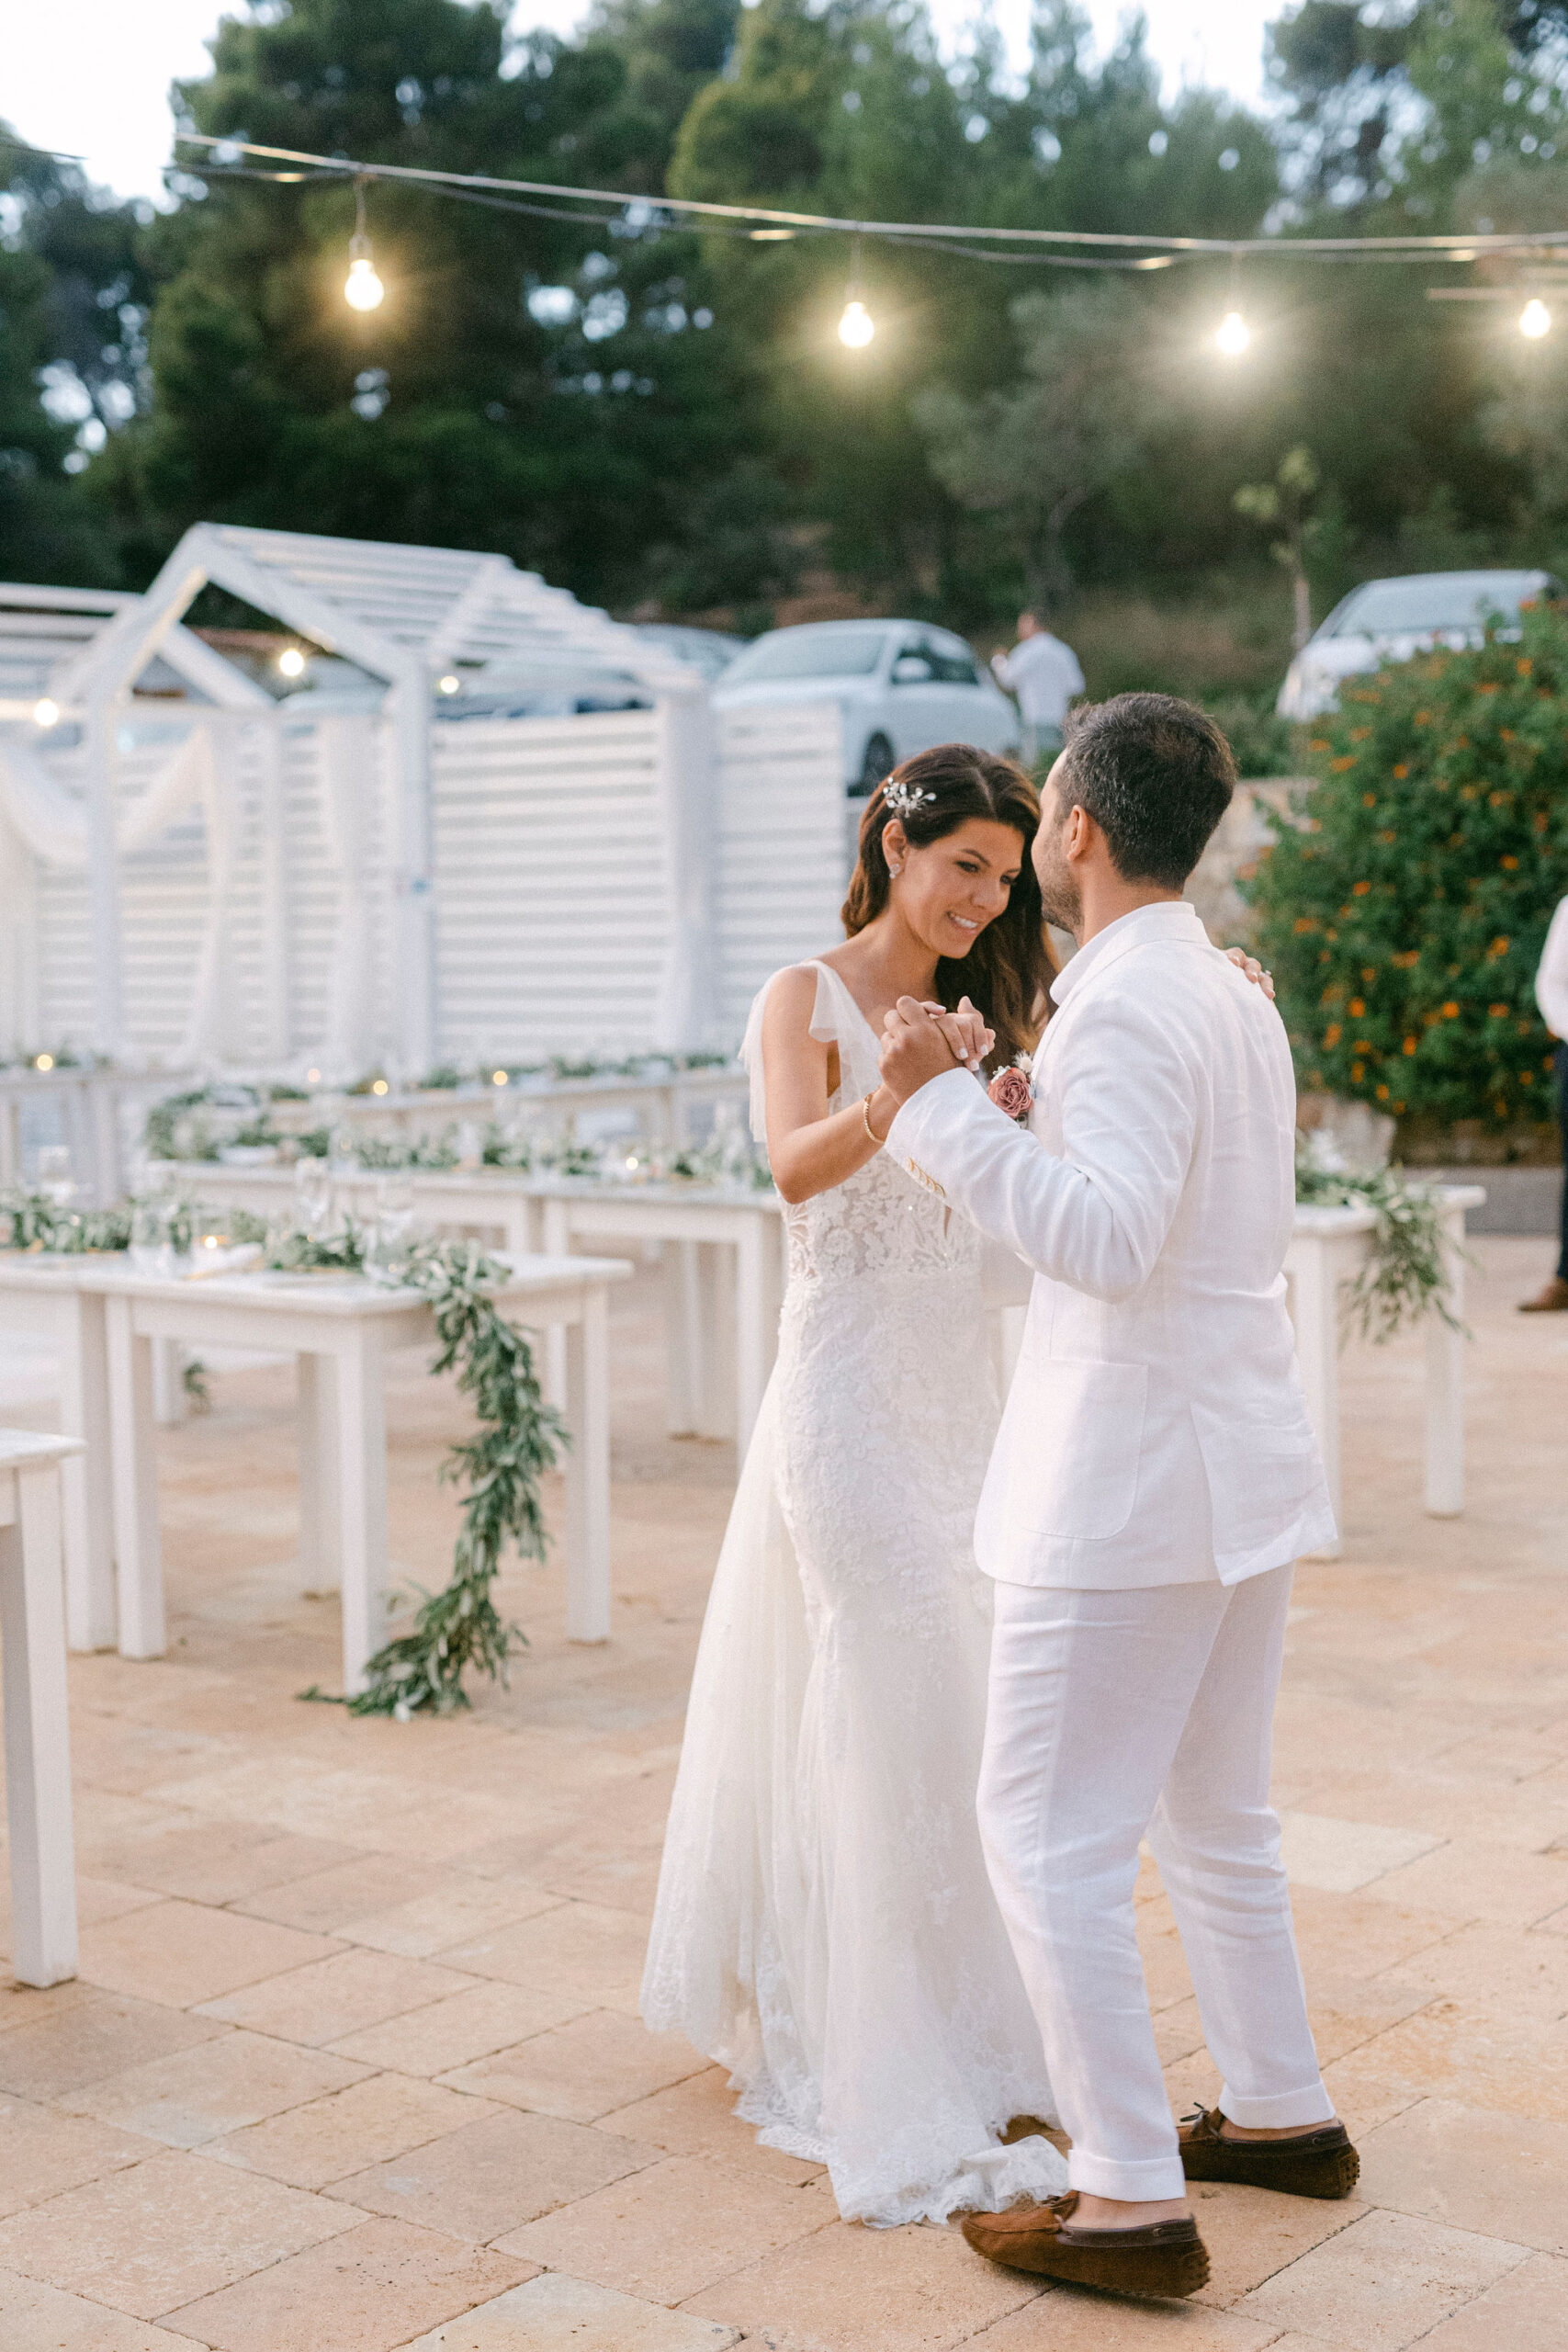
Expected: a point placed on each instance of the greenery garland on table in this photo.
(520, 1437)
(1405, 1279)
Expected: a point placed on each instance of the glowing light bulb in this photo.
(1233, 335)
(46, 713)
(363, 291)
(856, 327)
(378, 1086)
(1535, 319)
(291, 661)
(43, 1061)
(313, 1077)
(448, 684)
(498, 1078)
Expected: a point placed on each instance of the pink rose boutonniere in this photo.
(1012, 1090)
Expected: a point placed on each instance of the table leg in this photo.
(139, 1564)
(362, 1501)
(1315, 1307)
(38, 1737)
(316, 1440)
(558, 1244)
(86, 1488)
(715, 1372)
(750, 1330)
(588, 1473)
(682, 1337)
(170, 1406)
(1445, 1384)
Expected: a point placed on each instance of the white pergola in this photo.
(407, 615)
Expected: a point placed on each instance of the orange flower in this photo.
(1499, 947)
(1402, 770)
(1410, 1044)
(1360, 734)
(1450, 1011)
(1369, 800)
(1333, 1034)
(1356, 1007)
(1358, 1073)
(1360, 889)
(1524, 665)
(1488, 686)
(1382, 1094)
(1498, 1011)
(1303, 923)
(1509, 864)
(1346, 760)
(1423, 719)
(1408, 961)
(1319, 744)
(1369, 972)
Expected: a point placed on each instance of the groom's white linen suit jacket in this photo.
(1155, 1431)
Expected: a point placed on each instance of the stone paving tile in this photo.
(666, 2233)
(97, 1899)
(1460, 2049)
(328, 1998)
(1504, 2176)
(196, 2095)
(583, 2070)
(849, 2289)
(1065, 2319)
(383, 2116)
(696, 2117)
(81, 2038)
(164, 2232)
(1352, 1935)
(585, 1950)
(1481, 1880)
(492, 2175)
(450, 2033)
(182, 1953)
(214, 1861)
(1526, 2312)
(365, 2291)
(1343, 1856)
(432, 1924)
(554, 2313)
(1251, 2234)
(36, 2318)
(1521, 1975)
(43, 2153)
(326, 1898)
(1384, 2283)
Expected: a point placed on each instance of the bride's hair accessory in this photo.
(1012, 1090)
(902, 799)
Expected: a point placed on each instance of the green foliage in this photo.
(34, 1221)
(1404, 920)
(1405, 1279)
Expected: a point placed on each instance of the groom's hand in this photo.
(914, 1050)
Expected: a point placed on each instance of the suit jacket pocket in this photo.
(1263, 1470)
(1072, 1438)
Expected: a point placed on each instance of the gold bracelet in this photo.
(866, 1114)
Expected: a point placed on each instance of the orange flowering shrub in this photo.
(1415, 899)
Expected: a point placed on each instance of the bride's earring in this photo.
(896, 869)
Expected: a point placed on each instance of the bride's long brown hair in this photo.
(1010, 966)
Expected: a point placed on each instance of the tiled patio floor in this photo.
(353, 2061)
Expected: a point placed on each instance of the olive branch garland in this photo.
(1405, 1279)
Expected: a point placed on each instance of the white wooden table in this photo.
(664, 1106)
(340, 1329)
(723, 1276)
(1329, 1248)
(37, 1732)
(90, 1107)
(42, 1298)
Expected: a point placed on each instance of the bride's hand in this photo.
(965, 1032)
(1253, 969)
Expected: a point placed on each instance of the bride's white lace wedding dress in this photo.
(825, 1927)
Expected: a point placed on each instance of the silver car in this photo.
(1389, 620)
(901, 686)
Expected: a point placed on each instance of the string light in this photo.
(46, 713)
(363, 291)
(1535, 320)
(1234, 335)
(857, 326)
(291, 661)
(448, 684)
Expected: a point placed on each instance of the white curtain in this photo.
(53, 822)
(215, 1032)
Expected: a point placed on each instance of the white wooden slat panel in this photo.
(781, 867)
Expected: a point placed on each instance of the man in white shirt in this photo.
(1551, 995)
(1045, 675)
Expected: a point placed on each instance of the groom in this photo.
(1153, 1479)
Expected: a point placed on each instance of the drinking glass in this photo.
(387, 1254)
(314, 1196)
(55, 1177)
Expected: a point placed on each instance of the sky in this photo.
(91, 76)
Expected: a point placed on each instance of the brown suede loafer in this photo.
(1320, 2163)
(1164, 2258)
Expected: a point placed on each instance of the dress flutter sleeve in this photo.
(836, 1020)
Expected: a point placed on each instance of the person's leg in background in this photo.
(1554, 1299)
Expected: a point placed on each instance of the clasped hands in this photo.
(919, 1041)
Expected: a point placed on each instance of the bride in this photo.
(825, 1928)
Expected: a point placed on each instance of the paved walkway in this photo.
(353, 2061)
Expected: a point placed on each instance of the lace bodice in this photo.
(879, 1222)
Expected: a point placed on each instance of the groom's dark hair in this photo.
(1156, 774)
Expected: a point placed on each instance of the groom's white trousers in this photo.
(1113, 1715)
